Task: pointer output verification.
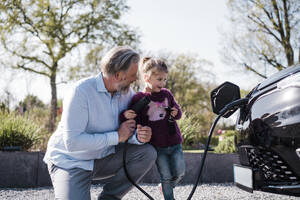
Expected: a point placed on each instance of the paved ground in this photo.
(205, 191)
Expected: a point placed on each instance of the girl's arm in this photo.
(133, 101)
(175, 104)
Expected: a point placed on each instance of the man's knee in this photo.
(150, 152)
(142, 154)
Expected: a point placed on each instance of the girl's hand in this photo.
(174, 111)
(129, 114)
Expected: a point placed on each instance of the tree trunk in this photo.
(53, 108)
(289, 53)
(299, 55)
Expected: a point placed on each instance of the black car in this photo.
(269, 132)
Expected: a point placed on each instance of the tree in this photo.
(29, 103)
(39, 34)
(191, 82)
(7, 99)
(265, 35)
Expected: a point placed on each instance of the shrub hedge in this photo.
(17, 131)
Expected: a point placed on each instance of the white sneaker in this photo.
(160, 190)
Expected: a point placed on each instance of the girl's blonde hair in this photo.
(152, 65)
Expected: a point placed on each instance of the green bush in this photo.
(229, 133)
(227, 145)
(40, 116)
(214, 140)
(17, 130)
(189, 128)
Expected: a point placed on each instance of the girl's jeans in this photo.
(171, 167)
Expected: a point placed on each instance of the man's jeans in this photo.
(171, 167)
(74, 184)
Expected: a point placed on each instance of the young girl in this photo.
(160, 115)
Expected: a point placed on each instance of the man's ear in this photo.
(119, 76)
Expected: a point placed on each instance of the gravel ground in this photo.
(205, 191)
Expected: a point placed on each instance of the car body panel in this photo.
(269, 136)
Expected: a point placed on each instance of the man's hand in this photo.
(126, 130)
(144, 133)
(129, 114)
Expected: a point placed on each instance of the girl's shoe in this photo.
(160, 190)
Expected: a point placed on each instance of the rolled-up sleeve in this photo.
(133, 139)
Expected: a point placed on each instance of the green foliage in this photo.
(3, 107)
(30, 102)
(244, 93)
(50, 31)
(214, 140)
(227, 145)
(40, 116)
(33, 101)
(16, 130)
(189, 127)
(229, 133)
(190, 84)
(33, 109)
(185, 81)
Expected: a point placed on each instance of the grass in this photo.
(193, 151)
(196, 151)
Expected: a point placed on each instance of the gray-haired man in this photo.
(88, 142)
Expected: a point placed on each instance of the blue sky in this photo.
(181, 26)
(191, 26)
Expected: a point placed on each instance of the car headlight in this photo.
(298, 152)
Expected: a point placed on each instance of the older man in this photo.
(88, 142)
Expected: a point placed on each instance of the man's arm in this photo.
(75, 120)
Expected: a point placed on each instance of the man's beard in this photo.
(122, 88)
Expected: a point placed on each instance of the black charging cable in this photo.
(200, 169)
(137, 108)
(204, 156)
(228, 107)
(171, 121)
(127, 174)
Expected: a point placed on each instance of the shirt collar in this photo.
(100, 83)
(101, 86)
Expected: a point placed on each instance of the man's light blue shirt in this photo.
(89, 124)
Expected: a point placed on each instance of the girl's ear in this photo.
(146, 77)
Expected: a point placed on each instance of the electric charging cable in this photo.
(233, 105)
(127, 174)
